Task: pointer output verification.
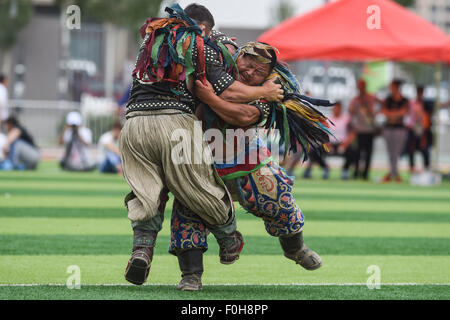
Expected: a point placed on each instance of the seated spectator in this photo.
(342, 140)
(109, 156)
(2, 144)
(76, 140)
(20, 151)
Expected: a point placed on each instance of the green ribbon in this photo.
(155, 49)
(238, 174)
(228, 57)
(286, 129)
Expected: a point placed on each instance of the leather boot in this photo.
(230, 247)
(296, 250)
(139, 264)
(191, 266)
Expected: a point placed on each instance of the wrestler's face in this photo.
(251, 72)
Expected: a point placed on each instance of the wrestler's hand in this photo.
(203, 92)
(274, 93)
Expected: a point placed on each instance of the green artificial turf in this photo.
(50, 220)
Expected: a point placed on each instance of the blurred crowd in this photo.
(405, 125)
(18, 150)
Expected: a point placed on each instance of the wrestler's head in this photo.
(202, 16)
(255, 62)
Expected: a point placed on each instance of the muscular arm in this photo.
(241, 115)
(395, 113)
(231, 90)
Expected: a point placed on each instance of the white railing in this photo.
(46, 119)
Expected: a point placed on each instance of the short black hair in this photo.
(201, 15)
(397, 82)
(2, 78)
(12, 121)
(420, 88)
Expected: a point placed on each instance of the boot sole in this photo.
(314, 267)
(137, 271)
(189, 288)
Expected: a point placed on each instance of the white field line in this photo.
(228, 284)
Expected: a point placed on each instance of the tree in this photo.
(14, 15)
(282, 11)
(406, 3)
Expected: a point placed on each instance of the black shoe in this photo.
(192, 282)
(295, 249)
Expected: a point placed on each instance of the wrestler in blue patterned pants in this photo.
(265, 193)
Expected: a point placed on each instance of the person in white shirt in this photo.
(76, 139)
(108, 147)
(4, 114)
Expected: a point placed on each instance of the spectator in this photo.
(122, 102)
(427, 138)
(2, 144)
(76, 140)
(320, 160)
(22, 153)
(362, 114)
(417, 139)
(109, 156)
(342, 139)
(3, 100)
(395, 108)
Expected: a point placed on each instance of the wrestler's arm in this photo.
(241, 115)
(241, 93)
(231, 90)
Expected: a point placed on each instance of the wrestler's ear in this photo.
(204, 30)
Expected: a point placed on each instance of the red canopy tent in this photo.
(347, 30)
(361, 30)
(446, 54)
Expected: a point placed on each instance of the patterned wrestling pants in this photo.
(265, 193)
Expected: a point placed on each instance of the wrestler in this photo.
(174, 52)
(261, 186)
